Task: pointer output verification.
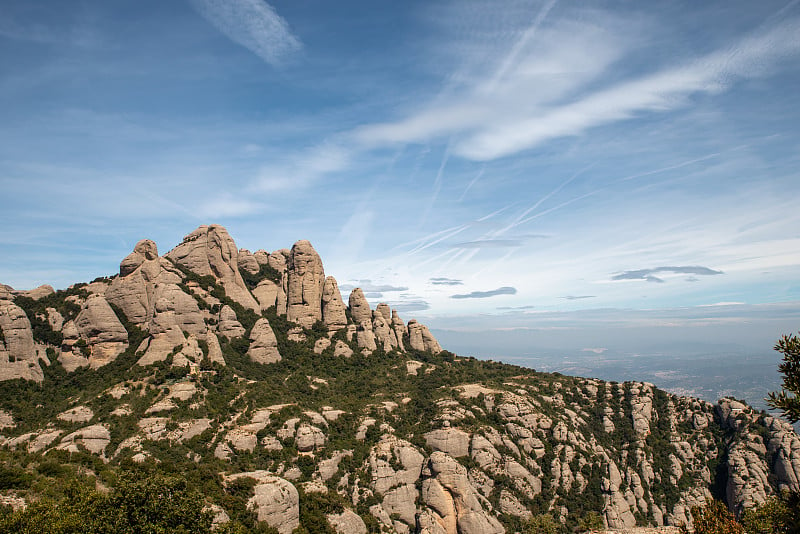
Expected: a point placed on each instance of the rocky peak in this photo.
(359, 307)
(210, 250)
(333, 309)
(305, 281)
(143, 251)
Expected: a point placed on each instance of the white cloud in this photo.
(554, 88)
(301, 169)
(252, 24)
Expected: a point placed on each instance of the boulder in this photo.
(365, 337)
(305, 281)
(359, 307)
(93, 438)
(18, 357)
(100, 327)
(333, 309)
(276, 503)
(384, 335)
(447, 491)
(400, 330)
(136, 292)
(309, 438)
(248, 262)
(263, 343)
(39, 292)
(342, 349)
(228, 324)
(321, 344)
(209, 250)
(348, 522)
(143, 251)
(452, 441)
(420, 338)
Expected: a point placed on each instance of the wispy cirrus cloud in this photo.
(488, 243)
(506, 290)
(578, 297)
(252, 24)
(648, 274)
(515, 111)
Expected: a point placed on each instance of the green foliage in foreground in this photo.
(788, 399)
(152, 505)
(778, 515)
(714, 518)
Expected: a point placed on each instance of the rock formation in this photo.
(420, 338)
(144, 250)
(209, 250)
(305, 281)
(359, 307)
(18, 357)
(263, 344)
(99, 326)
(333, 310)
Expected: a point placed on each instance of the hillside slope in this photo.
(248, 375)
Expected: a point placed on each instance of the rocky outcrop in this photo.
(263, 343)
(145, 250)
(276, 503)
(333, 310)
(93, 438)
(420, 338)
(18, 357)
(100, 327)
(384, 335)
(348, 522)
(359, 307)
(452, 441)
(209, 250)
(400, 330)
(305, 281)
(454, 505)
(228, 324)
(266, 293)
(248, 262)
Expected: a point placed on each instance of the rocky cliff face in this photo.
(182, 294)
(252, 366)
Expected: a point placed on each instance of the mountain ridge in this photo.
(250, 365)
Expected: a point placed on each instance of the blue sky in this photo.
(457, 158)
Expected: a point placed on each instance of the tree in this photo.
(153, 505)
(787, 400)
(714, 518)
(541, 524)
(779, 514)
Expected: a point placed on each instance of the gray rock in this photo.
(384, 335)
(143, 251)
(209, 250)
(333, 309)
(305, 279)
(348, 522)
(452, 441)
(276, 503)
(359, 307)
(342, 349)
(228, 324)
(18, 357)
(266, 293)
(248, 262)
(99, 326)
(263, 343)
